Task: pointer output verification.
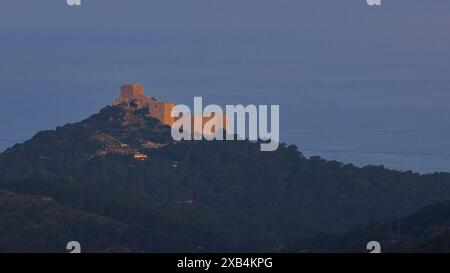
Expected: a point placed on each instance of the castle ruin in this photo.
(134, 94)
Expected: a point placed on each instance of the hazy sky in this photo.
(354, 83)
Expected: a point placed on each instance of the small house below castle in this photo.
(140, 156)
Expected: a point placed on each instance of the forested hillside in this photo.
(189, 196)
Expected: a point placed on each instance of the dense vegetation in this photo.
(192, 196)
(427, 230)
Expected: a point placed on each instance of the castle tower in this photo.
(129, 91)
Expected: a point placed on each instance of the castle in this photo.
(135, 94)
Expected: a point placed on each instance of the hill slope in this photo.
(204, 196)
(32, 223)
(426, 230)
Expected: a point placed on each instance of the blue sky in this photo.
(354, 83)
